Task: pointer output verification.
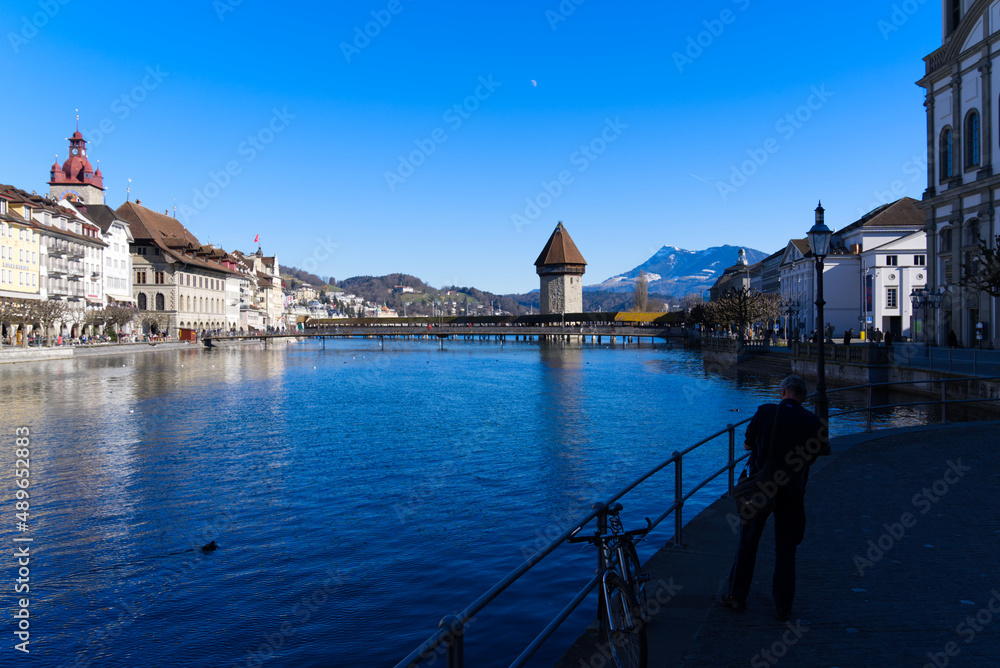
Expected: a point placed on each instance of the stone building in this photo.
(178, 283)
(560, 268)
(963, 179)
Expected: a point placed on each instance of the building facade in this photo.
(963, 179)
(20, 252)
(178, 283)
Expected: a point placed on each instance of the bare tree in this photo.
(6, 316)
(982, 272)
(118, 315)
(743, 307)
(19, 313)
(48, 312)
(640, 300)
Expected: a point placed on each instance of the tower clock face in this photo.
(75, 151)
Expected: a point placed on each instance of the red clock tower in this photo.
(76, 176)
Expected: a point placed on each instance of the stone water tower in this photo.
(560, 269)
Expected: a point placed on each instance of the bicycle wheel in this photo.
(624, 629)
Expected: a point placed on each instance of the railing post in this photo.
(732, 456)
(678, 494)
(944, 402)
(453, 641)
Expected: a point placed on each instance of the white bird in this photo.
(534, 83)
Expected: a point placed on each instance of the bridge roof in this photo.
(560, 249)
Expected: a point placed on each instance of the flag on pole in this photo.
(256, 238)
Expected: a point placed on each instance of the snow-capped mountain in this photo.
(675, 271)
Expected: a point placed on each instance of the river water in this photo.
(356, 495)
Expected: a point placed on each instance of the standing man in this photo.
(796, 434)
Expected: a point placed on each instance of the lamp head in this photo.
(820, 235)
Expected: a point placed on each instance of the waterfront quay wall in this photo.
(730, 352)
(860, 365)
(13, 355)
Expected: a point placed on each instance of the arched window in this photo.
(142, 301)
(947, 155)
(944, 240)
(160, 302)
(972, 232)
(972, 139)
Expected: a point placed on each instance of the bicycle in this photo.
(622, 590)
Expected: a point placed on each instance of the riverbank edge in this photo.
(685, 582)
(9, 356)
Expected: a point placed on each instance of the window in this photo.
(891, 260)
(972, 232)
(944, 240)
(140, 277)
(954, 14)
(160, 302)
(946, 155)
(142, 302)
(919, 260)
(160, 280)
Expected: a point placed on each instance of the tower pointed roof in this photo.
(560, 250)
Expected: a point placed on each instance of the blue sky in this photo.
(449, 141)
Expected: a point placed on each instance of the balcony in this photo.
(936, 60)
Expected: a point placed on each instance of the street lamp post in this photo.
(819, 242)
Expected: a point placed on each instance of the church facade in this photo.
(963, 170)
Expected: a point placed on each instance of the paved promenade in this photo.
(900, 565)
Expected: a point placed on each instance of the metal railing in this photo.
(451, 629)
(448, 639)
(942, 401)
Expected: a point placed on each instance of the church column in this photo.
(986, 122)
(931, 147)
(958, 159)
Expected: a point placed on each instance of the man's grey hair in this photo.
(795, 385)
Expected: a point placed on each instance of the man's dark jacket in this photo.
(796, 440)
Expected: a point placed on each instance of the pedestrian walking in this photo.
(784, 440)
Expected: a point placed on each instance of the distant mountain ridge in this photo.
(676, 271)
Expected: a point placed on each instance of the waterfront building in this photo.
(70, 255)
(890, 273)
(178, 283)
(20, 250)
(847, 306)
(963, 179)
(560, 268)
(262, 303)
(116, 267)
(736, 277)
(765, 276)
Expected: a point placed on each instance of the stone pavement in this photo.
(900, 565)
